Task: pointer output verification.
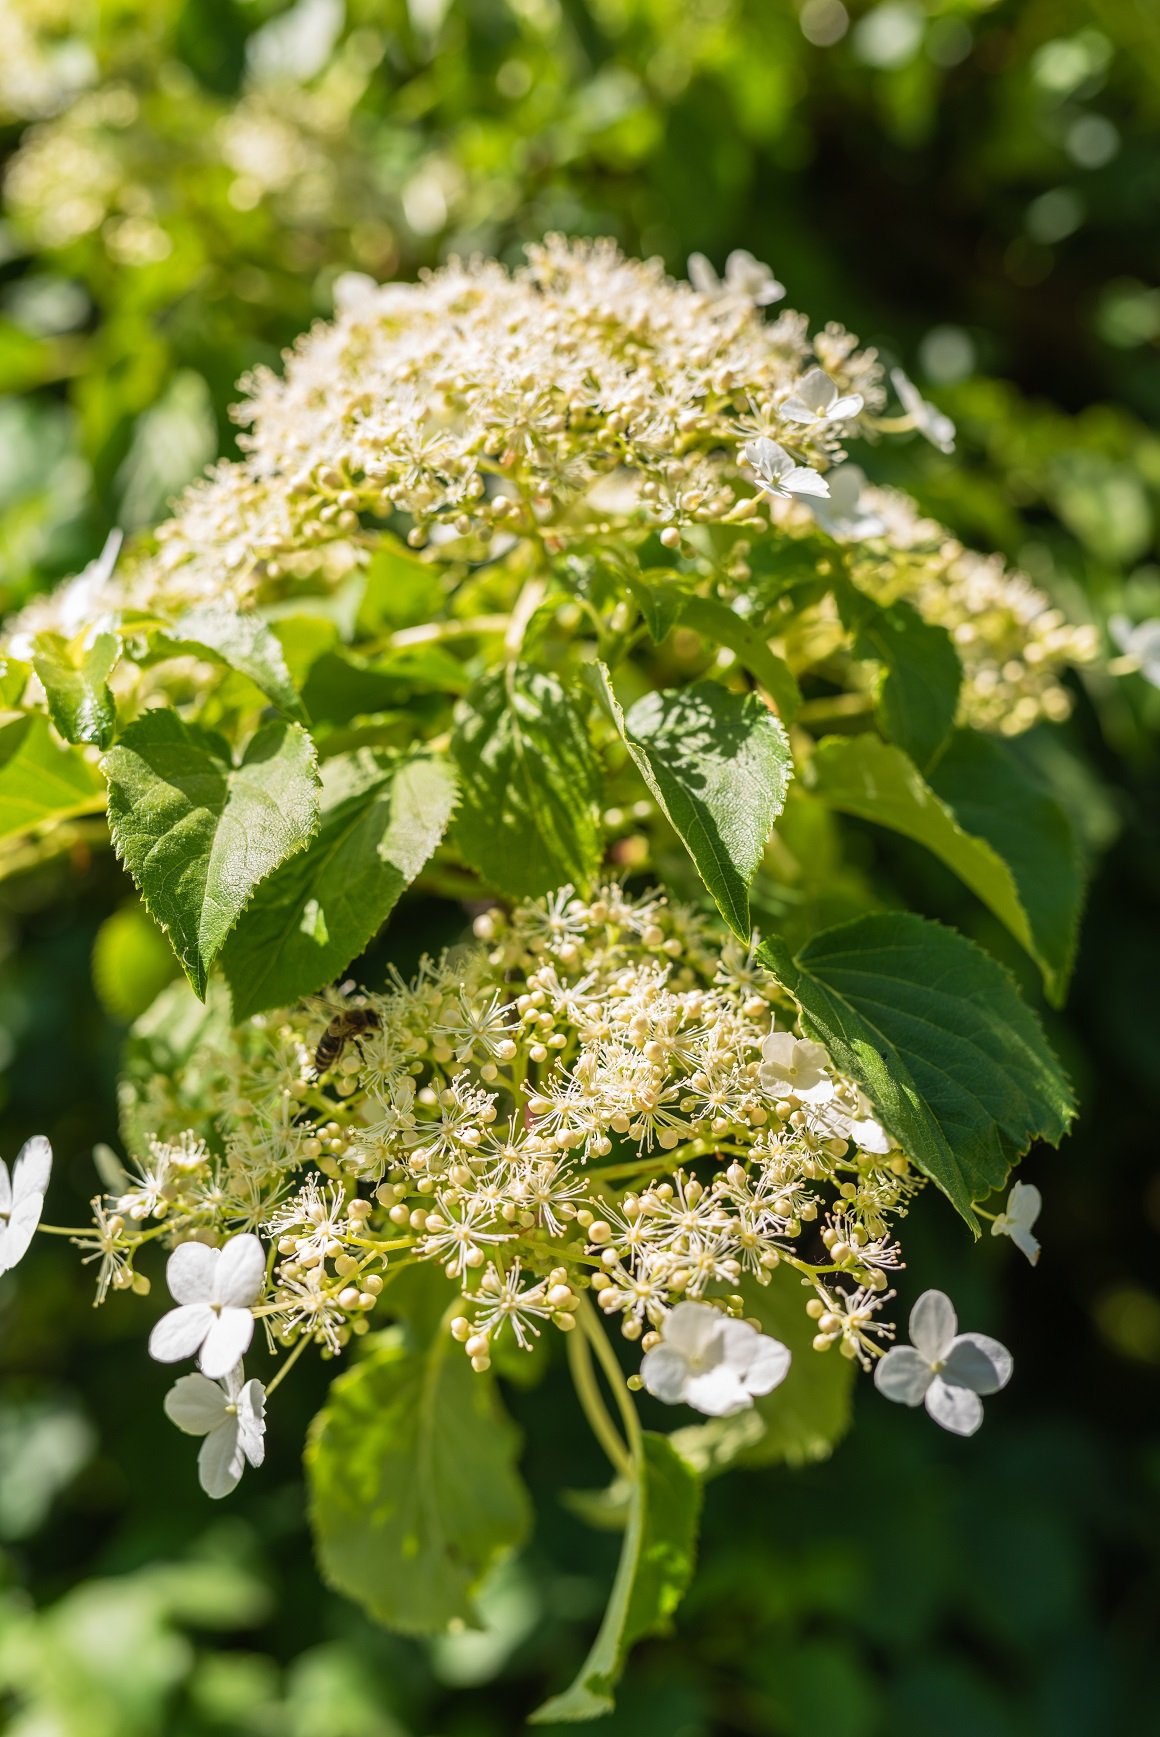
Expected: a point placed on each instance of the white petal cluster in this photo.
(215, 1289)
(230, 1414)
(22, 1199)
(1140, 645)
(930, 422)
(943, 1369)
(716, 1365)
(1024, 1204)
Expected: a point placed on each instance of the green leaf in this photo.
(381, 818)
(1000, 832)
(131, 963)
(13, 681)
(530, 782)
(413, 1490)
(935, 1032)
(75, 676)
(199, 834)
(800, 1421)
(242, 642)
(918, 691)
(401, 590)
(656, 1565)
(716, 621)
(40, 780)
(719, 765)
(997, 797)
(665, 605)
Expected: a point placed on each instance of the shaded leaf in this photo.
(243, 642)
(75, 674)
(918, 690)
(935, 1032)
(530, 782)
(414, 1493)
(199, 834)
(381, 818)
(1002, 834)
(719, 765)
(40, 779)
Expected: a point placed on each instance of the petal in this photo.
(5, 1188)
(195, 1404)
(803, 481)
(1024, 1204)
(956, 1408)
(819, 1093)
(241, 1272)
(769, 1365)
(871, 1136)
(190, 1270)
(717, 1392)
(903, 1375)
(979, 1363)
(842, 409)
(778, 1049)
(180, 1333)
(226, 1343)
(692, 1327)
(18, 1233)
(220, 1460)
(252, 1422)
(1025, 1243)
(664, 1373)
(933, 1325)
(702, 275)
(32, 1168)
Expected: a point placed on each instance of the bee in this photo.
(348, 1024)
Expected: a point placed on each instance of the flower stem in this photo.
(584, 1377)
(286, 1367)
(613, 1374)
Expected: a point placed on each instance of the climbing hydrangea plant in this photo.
(556, 594)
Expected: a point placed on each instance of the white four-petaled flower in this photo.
(777, 473)
(1141, 643)
(843, 512)
(943, 1369)
(22, 1199)
(745, 277)
(230, 1414)
(931, 423)
(815, 399)
(214, 1288)
(1023, 1207)
(794, 1067)
(715, 1364)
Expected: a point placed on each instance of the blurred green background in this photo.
(973, 187)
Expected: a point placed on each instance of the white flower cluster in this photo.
(582, 402)
(592, 1103)
(43, 59)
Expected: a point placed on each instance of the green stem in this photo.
(613, 1374)
(428, 631)
(527, 603)
(835, 709)
(595, 1410)
(286, 1367)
